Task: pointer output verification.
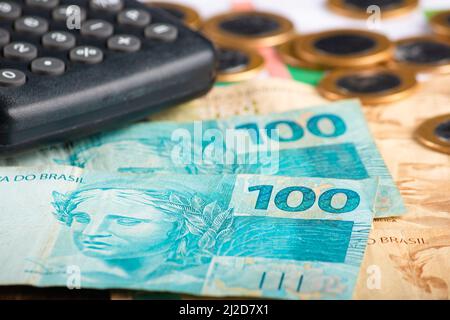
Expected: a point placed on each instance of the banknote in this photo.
(238, 235)
(412, 263)
(329, 141)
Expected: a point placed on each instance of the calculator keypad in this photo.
(34, 25)
(20, 51)
(9, 10)
(97, 28)
(58, 40)
(36, 39)
(48, 66)
(46, 4)
(4, 37)
(125, 43)
(107, 5)
(161, 31)
(134, 17)
(86, 54)
(12, 78)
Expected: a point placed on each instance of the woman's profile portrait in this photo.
(143, 233)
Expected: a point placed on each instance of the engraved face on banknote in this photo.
(426, 268)
(406, 263)
(142, 229)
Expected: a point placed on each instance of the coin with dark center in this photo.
(359, 8)
(344, 48)
(434, 133)
(251, 29)
(424, 54)
(372, 86)
(343, 44)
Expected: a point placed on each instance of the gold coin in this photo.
(236, 65)
(345, 48)
(249, 29)
(358, 8)
(435, 133)
(423, 54)
(440, 24)
(287, 54)
(189, 16)
(376, 85)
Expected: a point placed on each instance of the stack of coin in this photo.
(368, 66)
(239, 36)
(430, 54)
(358, 63)
(355, 62)
(189, 16)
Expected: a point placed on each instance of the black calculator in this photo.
(73, 68)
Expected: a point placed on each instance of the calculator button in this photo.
(9, 10)
(134, 17)
(61, 13)
(20, 51)
(31, 25)
(46, 4)
(125, 43)
(161, 31)
(4, 37)
(86, 54)
(12, 78)
(48, 66)
(107, 5)
(97, 28)
(60, 40)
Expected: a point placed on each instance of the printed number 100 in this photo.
(309, 198)
(297, 132)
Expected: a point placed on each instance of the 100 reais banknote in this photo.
(228, 235)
